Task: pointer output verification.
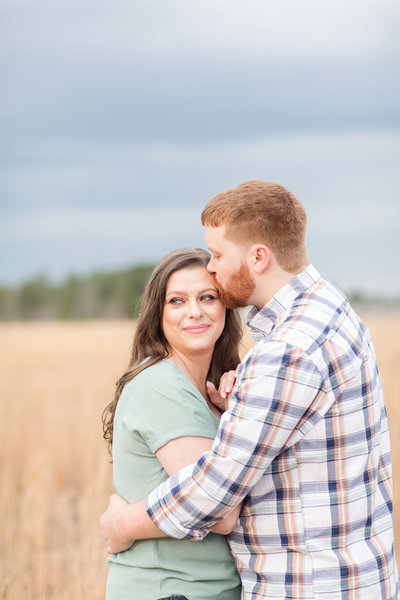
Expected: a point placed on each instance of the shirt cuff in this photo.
(160, 505)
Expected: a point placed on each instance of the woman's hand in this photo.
(220, 397)
(112, 526)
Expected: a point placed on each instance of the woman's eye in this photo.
(208, 297)
(175, 301)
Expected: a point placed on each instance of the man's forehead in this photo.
(218, 241)
(215, 234)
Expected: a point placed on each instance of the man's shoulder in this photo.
(323, 331)
(322, 313)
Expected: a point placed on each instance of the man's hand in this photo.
(112, 525)
(220, 397)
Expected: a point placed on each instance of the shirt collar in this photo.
(261, 321)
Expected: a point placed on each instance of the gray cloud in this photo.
(119, 120)
(197, 71)
(348, 182)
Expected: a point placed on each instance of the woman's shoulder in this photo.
(161, 399)
(162, 374)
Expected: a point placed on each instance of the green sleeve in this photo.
(161, 404)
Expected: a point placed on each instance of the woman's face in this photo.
(193, 315)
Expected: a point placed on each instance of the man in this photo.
(304, 443)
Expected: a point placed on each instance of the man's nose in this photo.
(210, 266)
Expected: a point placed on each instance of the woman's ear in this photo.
(261, 256)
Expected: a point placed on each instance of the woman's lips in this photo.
(197, 328)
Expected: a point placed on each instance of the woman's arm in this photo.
(183, 451)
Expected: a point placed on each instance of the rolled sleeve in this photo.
(276, 400)
(160, 507)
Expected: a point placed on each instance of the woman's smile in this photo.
(196, 329)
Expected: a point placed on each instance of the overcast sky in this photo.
(119, 120)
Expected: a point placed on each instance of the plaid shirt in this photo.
(305, 444)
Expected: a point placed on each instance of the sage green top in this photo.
(158, 405)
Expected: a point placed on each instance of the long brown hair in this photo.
(149, 342)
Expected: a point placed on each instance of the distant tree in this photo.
(69, 296)
(114, 294)
(132, 287)
(9, 304)
(103, 295)
(36, 299)
(357, 297)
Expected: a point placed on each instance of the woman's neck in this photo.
(194, 367)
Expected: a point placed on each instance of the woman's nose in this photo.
(193, 309)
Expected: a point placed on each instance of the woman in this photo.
(161, 419)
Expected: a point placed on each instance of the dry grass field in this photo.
(55, 478)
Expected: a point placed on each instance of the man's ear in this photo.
(261, 256)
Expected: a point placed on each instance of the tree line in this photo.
(101, 295)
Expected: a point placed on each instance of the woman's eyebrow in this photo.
(180, 293)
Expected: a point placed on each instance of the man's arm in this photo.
(121, 524)
(278, 399)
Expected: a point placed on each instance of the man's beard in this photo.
(238, 289)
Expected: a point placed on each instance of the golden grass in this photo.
(55, 379)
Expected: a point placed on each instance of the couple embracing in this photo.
(268, 478)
